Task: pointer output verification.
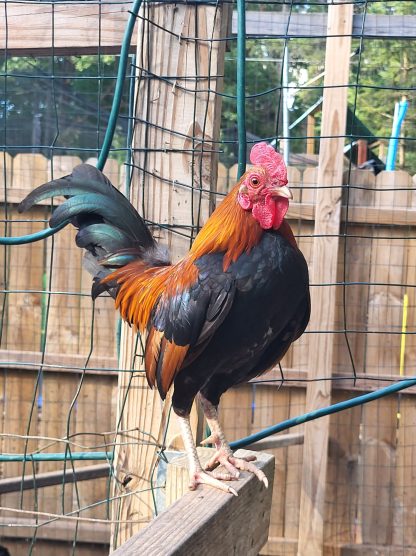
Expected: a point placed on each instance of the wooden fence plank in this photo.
(342, 478)
(95, 415)
(404, 501)
(20, 417)
(388, 260)
(294, 469)
(325, 255)
(354, 269)
(379, 421)
(58, 391)
(376, 471)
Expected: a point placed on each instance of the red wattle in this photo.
(264, 211)
(281, 204)
(269, 212)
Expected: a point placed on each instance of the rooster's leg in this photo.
(224, 455)
(197, 474)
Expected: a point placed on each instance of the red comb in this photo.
(265, 155)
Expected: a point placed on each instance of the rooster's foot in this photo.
(233, 466)
(204, 478)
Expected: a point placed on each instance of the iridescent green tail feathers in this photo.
(109, 227)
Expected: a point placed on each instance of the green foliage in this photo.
(381, 73)
(64, 102)
(61, 102)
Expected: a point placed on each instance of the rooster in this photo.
(222, 315)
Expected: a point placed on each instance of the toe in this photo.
(203, 478)
(209, 440)
(245, 465)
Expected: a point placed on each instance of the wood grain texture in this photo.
(208, 521)
(380, 420)
(404, 506)
(315, 25)
(29, 31)
(354, 270)
(62, 362)
(342, 476)
(96, 533)
(31, 28)
(95, 416)
(14, 484)
(325, 253)
(18, 391)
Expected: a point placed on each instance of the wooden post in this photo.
(310, 134)
(362, 151)
(325, 253)
(207, 521)
(177, 119)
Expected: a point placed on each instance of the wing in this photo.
(184, 321)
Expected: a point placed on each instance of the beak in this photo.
(282, 191)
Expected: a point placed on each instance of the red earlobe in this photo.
(244, 201)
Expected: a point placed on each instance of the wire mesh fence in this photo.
(175, 152)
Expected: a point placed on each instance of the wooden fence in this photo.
(46, 304)
(370, 500)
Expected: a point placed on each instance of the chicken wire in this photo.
(52, 336)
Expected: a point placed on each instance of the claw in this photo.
(203, 478)
(232, 465)
(222, 457)
(244, 464)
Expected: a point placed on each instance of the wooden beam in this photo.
(369, 215)
(57, 362)
(325, 260)
(207, 517)
(84, 532)
(310, 133)
(367, 382)
(362, 151)
(293, 25)
(83, 27)
(41, 480)
(277, 441)
(276, 546)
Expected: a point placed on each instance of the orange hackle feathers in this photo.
(141, 287)
(229, 230)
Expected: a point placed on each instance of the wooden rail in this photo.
(33, 28)
(42, 480)
(208, 521)
(90, 27)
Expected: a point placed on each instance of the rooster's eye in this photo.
(254, 180)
